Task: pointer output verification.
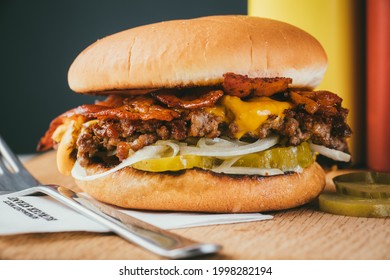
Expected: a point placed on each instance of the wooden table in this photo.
(301, 233)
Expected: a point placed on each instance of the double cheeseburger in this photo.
(213, 114)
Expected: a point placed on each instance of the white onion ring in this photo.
(226, 164)
(330, 153)
(207, 143)
(175, 147)
(215, 151)
(149, 152)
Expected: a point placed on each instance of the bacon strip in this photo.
(242, 86)
(310, 105)
(194, 98)
(133, 108)
(323, 102)
(328, 102)
(46, 142)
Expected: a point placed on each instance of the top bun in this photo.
(197, 52)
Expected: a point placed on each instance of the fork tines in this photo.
(13, 175)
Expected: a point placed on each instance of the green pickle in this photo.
(339, 204)
(364, 184)
(284, 158)
(359, 194)
(174, 163)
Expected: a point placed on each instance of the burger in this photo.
(212, 114)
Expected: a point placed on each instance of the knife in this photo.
(147, 236)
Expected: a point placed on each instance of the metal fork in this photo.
(15, 178)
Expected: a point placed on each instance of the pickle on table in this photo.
(373, 191)
(374, 185)
(284, 158)
(339, 204)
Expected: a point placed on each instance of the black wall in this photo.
(40, 39)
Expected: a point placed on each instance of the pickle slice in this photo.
(364, 184)
(284, 158)
(339, 204)
(174, 163)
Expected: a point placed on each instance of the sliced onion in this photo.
(330, 153)
(219, 147)
(175, 146)
(249, 171)
(226, 167)
(207, 143)
(226, 163)
(79, 173)
(215, 151)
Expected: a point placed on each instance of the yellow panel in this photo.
(332, 23)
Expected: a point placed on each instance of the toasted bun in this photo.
(197, 52)
(205, 191)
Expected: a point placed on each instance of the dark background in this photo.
(40, 39)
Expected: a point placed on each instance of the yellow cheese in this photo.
(248, 115)
(66, 135)
(59, 132)
(218, 111)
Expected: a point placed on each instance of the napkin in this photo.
(31, 214)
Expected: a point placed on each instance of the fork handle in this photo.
(154, 239)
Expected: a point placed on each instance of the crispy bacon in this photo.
(310, 105)
(194, 98)
(242, 86)
(46, 142)
(138, 113)
(323, 102)
(116, 107)
(328, 102)
(132, 108)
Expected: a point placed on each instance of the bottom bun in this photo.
(204, 191)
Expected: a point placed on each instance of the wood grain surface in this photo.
(300, 233)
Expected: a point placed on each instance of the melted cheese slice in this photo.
(248, 115)
(66, 135)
